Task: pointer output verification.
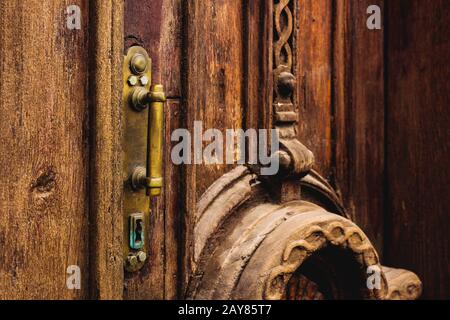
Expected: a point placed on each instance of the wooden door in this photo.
(220, 72)
(370, 105)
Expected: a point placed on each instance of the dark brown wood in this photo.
(258, 64)
(173, 198)
(156, 25)
(314, 71)
(44, 150)
(358, 111)
(418, 141)
(214, 74)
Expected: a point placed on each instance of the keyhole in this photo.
(138, 231)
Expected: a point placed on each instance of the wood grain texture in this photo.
(358, 111)
(314, 71)
(106, 235)
(173, 197)
(418, 142)
(44, 157)
(213, 90)
(258, 63)
(214, 74)
(156, 25)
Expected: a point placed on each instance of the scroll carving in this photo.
(296, 159)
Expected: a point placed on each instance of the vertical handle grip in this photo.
(155, 140)
(151, 177)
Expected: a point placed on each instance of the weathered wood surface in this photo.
(258, 63)
(314, 75)
(156, 25)
(418, 142)
(213, 90)
(44, 150)
(173, 202)
(106, 187)
(214, 75)
(358, 112)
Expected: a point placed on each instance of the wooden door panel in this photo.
(314, 66)
(358, 125)
(214, 91)
(418, 142)
(214, 76)
(44, 157)
(371, 106)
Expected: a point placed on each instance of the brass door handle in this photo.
(139, 98)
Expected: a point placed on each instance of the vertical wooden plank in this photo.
(173, 197)
(214, 64)
(258, 64)
(106, 181)
(358, 111)
(214, 60)
(313, 71)
(418, 143)
(44, 150)
(170, 50)
(156, 25)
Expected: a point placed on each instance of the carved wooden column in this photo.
(258, 237)
(295, 159)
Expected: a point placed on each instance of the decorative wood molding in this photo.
(317, 237)
(296, 159)
(403, 284)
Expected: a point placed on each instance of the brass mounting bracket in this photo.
(142, 153)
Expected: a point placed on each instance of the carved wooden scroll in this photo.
(257, 238)
(295, 159)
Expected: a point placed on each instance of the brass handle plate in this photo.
(143, 106)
